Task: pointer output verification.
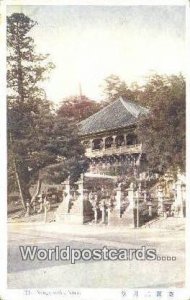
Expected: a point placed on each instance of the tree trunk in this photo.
(39, 183)
(19, 186)
(26, 193)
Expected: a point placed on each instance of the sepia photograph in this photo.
(96, 147)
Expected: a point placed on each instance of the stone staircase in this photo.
(124, 219)
(170, 223)
(70, 214)
(62, 208)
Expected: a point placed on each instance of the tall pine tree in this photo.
(37, 138)
(27, 104)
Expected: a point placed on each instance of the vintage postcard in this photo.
(97, 169)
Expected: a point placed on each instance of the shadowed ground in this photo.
(94, 274)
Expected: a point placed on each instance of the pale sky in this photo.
(88, 43)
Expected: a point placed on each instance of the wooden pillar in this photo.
(104, 143)
(114, 140)
(125, 138)
(91, 144)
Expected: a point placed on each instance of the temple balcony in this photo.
(114, 150)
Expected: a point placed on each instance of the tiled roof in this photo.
(119, 114)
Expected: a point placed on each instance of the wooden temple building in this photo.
(114, 151)
(110, 139)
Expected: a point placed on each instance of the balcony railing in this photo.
(126, 149)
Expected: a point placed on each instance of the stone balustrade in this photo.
(125, 149)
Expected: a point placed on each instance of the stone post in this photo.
(95, 210)
(67, 191)
(128, 215)
(150, 210)
(103, 213)
(131, 196)
(45, 210)
(183, 193)
(160, 200)
(95, 215)
(179, 199)
(118, 200)
(114, 215)
(109, 213)
(41, 204)
(145, 196)
(136, 204)
(80, 199)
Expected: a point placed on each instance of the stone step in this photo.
(166, 223)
